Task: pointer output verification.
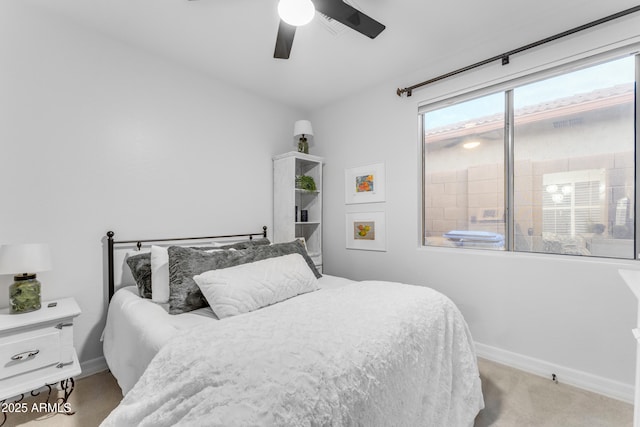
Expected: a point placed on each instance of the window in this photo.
(566, 184)
(464, 179)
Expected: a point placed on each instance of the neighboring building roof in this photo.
(570, 105)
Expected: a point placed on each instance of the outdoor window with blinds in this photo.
(572, 166)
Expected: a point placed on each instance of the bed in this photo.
(282, 345)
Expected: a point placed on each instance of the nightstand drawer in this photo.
(28, 351)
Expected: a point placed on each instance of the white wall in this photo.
(96, 136)
(548, 314)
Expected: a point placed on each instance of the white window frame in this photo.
(507, 88)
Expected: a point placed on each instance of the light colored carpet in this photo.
(91, 400)
(512, 398)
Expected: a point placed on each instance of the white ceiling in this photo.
(233, 40)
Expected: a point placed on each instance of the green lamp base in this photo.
(24, 294)
(303, 145)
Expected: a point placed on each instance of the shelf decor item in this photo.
(24, 261)
(305, 182)
(302, 129)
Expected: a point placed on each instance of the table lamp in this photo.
(302, 128)
(24, 261)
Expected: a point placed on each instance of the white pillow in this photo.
(247, 287)
(159, 274)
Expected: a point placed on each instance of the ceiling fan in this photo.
(334, 9)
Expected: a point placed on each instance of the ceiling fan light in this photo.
(296, 12)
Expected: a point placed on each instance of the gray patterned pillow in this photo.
(246, 244)
(279, 249)
(140, 266)
(184, 263)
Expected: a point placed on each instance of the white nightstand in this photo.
(36, 348)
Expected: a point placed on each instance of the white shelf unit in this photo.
(286, 227)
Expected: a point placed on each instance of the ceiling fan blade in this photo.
(284, 41)
(349, 16)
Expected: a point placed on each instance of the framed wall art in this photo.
(366, 231)
(364, 184)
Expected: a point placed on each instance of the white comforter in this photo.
(367, 354)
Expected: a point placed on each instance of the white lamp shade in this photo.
(296, 12)
(302, 127)
(25, 258)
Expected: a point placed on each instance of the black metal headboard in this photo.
(111, 244)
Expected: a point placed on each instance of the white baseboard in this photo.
(93, 366)
(584, 380)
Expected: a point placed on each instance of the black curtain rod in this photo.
(505, 56)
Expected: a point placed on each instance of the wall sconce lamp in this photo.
(24, 261)
(302, 128)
